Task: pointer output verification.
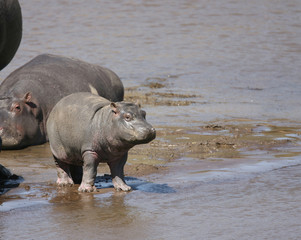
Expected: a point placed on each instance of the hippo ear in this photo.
(32, 104)
(30, 100)
(114, 107)
(27, 97)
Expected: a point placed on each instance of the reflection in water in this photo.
(265, 205)
(8, 180)
(135, 183)
(12, 182)
(90, 211)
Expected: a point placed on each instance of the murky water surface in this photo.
(203, 62)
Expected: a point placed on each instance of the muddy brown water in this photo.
(221, 84)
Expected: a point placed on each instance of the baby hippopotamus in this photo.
(86, 129)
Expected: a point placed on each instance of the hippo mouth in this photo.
(9, 139)
(145, 136)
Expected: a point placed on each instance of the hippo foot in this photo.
(62, 182)
(120, 185)
(84, 187)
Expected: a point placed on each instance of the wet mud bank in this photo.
(157, 98)
(215, 146)
(225, 139)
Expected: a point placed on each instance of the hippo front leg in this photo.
(89, 172)
(117, 173)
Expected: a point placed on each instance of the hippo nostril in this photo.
(153, 132)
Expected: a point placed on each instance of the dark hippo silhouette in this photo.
(29, 93)
(4, 173)
(10, 38)
(8, 180)
(10, 30)
(85, 129)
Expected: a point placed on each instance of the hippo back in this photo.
(50, 78)
(38, 85)
(56, 76)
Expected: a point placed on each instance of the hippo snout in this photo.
(145, 134)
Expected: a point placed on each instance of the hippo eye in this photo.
(128, 117)
(16, 108)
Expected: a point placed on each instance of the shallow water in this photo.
(255, 195)
(259, 200)
(239, 61)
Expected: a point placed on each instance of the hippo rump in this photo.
(29, 93)
(85, 129)
(10, 30)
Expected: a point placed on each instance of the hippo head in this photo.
(129, 124)
(19, 121)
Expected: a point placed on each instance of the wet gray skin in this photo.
(10, 30)
(19, 124)
(29, 93)
(85, 129)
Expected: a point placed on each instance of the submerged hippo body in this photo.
(10, 30)
(85, 129)
(29, 93)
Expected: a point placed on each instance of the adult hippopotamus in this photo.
(29, 93)
(10, 30)
(85, 129)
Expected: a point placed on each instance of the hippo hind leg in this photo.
(64, 177)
